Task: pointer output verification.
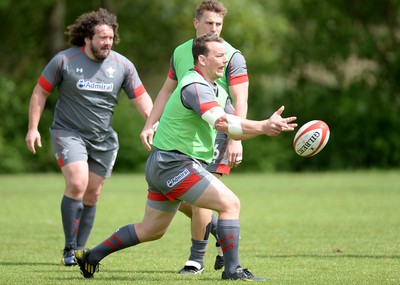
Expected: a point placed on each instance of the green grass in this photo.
(315, 228)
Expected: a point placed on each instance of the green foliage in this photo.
(339, 70)
(128, 124)
(330, 60)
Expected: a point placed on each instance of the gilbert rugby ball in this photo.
(311, 138)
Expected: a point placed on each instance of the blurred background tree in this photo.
(330, 60)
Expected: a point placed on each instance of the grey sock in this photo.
(85, 225)
(71, 211)
(228, 233)
(198, 250)
(122, 238)
(213, 227)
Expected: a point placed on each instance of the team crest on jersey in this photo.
(175, 180)
(64, 154)
(94, 86)
(110, 72)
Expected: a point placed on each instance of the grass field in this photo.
(315, 228)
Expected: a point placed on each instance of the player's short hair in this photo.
(200, 46)
(86, 23)
(211, 6)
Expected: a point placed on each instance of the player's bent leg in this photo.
(201, 218)
(218, 197)
(221, 199)
(154, 225)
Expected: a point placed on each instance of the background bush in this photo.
(335, 60)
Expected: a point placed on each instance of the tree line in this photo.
(331, 60)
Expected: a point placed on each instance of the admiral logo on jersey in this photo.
(94, 86)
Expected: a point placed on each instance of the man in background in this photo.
(89, 77)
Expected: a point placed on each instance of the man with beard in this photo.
(89, 77)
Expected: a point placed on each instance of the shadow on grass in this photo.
(145, 275)
(138, 275)
(33, 263)
(146, 279)
(339, 255)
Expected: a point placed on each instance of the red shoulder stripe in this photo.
(139, 91)
(239, 79)
(45, 84)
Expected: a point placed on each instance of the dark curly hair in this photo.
(85, 24)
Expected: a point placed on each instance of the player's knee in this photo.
(152, 234)
(235, 204)
(157, 235)
(91, 197)
(76, 188)
(232, 206)
(90, 200)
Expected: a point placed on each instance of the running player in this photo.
(175, 169)
(89, 77)
(209, 18)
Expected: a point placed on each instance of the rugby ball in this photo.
(311, 138)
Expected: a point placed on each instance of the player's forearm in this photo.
(34, 118)
(143, 104)
(242, 129)
(157, 110)
(160, 102)
(36, 107)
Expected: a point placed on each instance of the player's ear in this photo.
(202, 60)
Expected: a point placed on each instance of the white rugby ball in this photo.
(311, 138)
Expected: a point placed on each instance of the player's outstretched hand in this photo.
(276, 124)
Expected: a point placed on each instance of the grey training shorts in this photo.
(174, 177)
(68, 147)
